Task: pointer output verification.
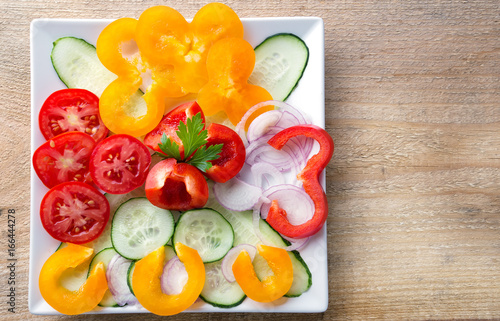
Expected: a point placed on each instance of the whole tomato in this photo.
(176, 186)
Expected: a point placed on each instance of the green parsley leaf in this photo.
(194, 139)
(192, 134)
(169, 147)
(201, 158)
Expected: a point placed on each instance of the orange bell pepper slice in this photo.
(163, 35)
(117, 50)
(147, 286)
(230, 63)
(272, 287)
(63, 300)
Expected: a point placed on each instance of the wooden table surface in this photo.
(413, 104)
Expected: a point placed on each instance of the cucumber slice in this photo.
(104, 256)
(217, 291)
(207, 231)
(130, 273)
(244, 234)
(139, 227)
(169, 254)
(280, 61)
(78, 66)
(114, 200)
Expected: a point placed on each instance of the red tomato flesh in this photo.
(119, 164)
(170, 124)
(74, 212)
(232, 156)
(64, 158)
(176, 186)
(71, 110)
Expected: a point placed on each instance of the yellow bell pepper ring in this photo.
(230, 63)
(122, 107)
(163, 35)
(271, 287)
(87, 297)
(147, 285)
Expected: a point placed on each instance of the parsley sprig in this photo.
(194, 140)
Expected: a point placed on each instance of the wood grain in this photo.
(413, 104)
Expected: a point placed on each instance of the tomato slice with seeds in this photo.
(64, 158)
(119, 164)
(74, 212)
(71, 109)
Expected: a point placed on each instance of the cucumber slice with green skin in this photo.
(244, 234)
(280, 61)
(206, 231)
(104, 256)
(130, 273)
(217, 291)
(138, 228)
(77, 65)
(114, 200)
(169, 254)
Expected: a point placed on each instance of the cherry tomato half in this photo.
(74, 212)
(170, 124)
(176, 186)
(119, 164)
(232, 156)
(71, 109)
(64, 158)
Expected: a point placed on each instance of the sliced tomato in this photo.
(71, 110)
(170, 124)
(64, 158)
(232, 156)
(119, 164)
(176, 186)
(74, 212)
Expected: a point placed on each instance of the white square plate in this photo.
(308, 96)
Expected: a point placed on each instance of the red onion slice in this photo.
(174, 277)
(294, 243)
(293, 199)
(116, 275)
(262, 124)
(227, 262)
(266, 175)
(237, 195)
(262, 152)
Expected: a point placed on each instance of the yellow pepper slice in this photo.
(163, 35)
(230, 63)
(147, 286)
(122, 108)
(272, 287)
(63, 300)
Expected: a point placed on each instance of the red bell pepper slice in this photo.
(309, 176)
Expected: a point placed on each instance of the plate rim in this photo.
(321, 238)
